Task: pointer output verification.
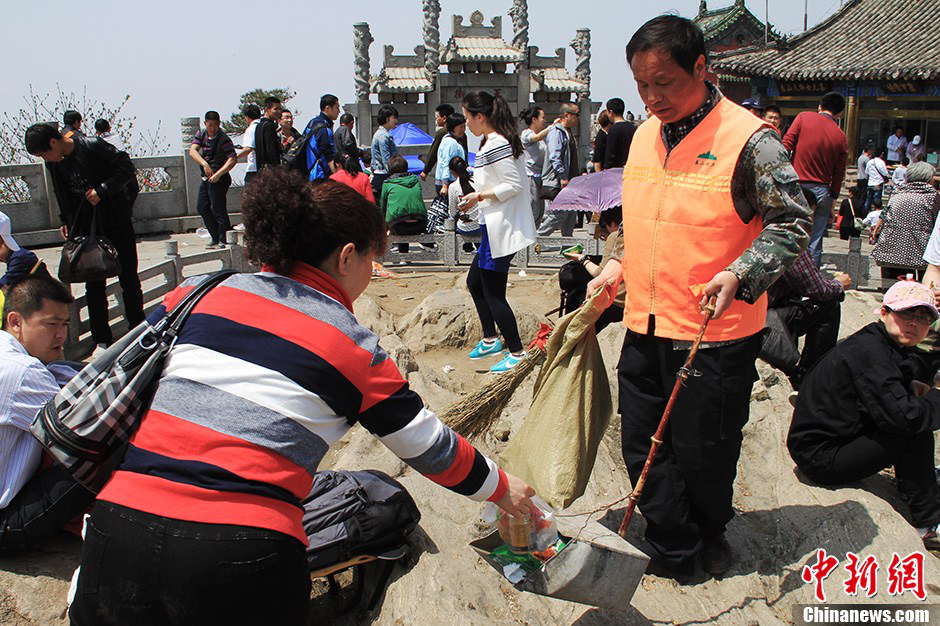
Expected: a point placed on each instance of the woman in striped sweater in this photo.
(201, 523)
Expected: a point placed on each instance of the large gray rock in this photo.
(373, 317)
(447, 318)
(400, 353)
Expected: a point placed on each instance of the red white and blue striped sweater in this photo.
(267, 373)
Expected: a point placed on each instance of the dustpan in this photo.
(597, 567)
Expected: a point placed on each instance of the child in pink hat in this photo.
(865, 407)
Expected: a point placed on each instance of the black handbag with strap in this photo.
(87, 257)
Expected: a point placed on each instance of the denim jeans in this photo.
(874, 193)
(45, 504)
(821, 216)
(145, 569)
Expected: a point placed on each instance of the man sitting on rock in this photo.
(809, 304)
(863, 408)
(36, 498)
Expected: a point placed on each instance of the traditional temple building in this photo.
(475, 57)
(731, 28)
(882, 55)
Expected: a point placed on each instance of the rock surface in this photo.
(781, 521)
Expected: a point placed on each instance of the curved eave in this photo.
(907, 73)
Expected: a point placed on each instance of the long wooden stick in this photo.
(657, 437)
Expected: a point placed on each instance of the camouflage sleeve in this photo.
(765, 185)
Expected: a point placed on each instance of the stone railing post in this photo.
(853, 262)
(192, 175)
(172, 253)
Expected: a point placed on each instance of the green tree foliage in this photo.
(236, 125)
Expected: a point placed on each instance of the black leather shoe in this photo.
(663, 569)
(717, 557)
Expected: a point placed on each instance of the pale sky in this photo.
(180, 58)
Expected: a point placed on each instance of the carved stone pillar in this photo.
(432, 37)
(581, 45)
(519, 13)
(362, 38)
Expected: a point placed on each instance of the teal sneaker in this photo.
(508, 362)
(483, 350)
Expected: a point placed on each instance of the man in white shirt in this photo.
(877, 175)
(916, 150)
(36, 500)
(897, 145)
(252, 113)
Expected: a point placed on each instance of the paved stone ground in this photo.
(151, 250)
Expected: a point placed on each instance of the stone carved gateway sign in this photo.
(473, 56)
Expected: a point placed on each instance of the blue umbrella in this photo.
(591, 192)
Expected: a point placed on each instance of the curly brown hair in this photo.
(289, 219)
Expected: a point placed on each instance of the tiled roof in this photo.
(493, 49)
(555, 79)
(402, 80)
(715, 23)
(864, 40)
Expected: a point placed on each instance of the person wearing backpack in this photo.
(202, 522)
(320, 146)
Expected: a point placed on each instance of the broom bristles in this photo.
(475, 413)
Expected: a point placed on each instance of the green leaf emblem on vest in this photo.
(707, 155)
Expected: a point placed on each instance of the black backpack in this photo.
(295, 157)
(357, 514)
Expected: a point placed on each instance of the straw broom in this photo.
(475, 413)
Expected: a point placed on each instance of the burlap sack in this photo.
(555, 448)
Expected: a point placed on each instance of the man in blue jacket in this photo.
(320, 147)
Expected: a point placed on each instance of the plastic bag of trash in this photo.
(555, 449)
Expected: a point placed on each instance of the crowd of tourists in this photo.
(201, 523)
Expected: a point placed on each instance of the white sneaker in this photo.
(239, 227)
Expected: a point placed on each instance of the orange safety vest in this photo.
(681, 227)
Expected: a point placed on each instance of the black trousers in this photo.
(145, 570)
(819, 323)
(408, 227)
(377, 181)
(45, 504)
(488, 290)
(892, 273)
(690, 484)
(911, 456)
(121, 233)
(611, 315)
(211, 204)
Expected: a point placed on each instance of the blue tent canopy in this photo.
(407, 134)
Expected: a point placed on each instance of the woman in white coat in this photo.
(506, 223)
